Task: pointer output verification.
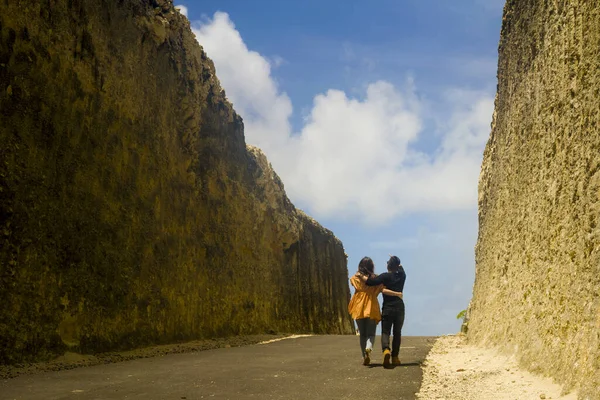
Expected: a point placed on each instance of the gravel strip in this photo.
(455, 370)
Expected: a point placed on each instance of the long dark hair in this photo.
(366, 266)
(393, 264)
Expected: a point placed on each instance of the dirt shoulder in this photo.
(459, 371)
(75, 360)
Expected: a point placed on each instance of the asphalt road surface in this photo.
(312, 368)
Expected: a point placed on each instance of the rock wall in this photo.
(537, 287)
(131, 211)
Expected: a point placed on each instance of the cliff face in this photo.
(537, 288)
(131, 211)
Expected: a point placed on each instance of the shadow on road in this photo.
(379, 365)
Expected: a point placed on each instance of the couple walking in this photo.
(364, 308)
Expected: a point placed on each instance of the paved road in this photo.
(314, 368)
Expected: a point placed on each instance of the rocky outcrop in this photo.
(537, 287)
(131, 211)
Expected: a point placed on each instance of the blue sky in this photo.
(375, 115)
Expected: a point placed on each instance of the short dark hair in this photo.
(393, 264)
(366, 266)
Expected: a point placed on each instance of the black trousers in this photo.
(392, 319)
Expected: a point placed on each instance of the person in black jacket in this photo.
(392, 315)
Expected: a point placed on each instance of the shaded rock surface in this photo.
(131, 211)
(537, 287)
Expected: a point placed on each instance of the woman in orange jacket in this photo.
(364, 307)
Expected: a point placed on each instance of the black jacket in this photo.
(393, 281)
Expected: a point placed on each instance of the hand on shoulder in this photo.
(361, 276)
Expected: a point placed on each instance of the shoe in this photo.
(396, 361)
(367, 359)
(386, 358)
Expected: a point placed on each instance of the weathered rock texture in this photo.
(537, 288)
(131, 212)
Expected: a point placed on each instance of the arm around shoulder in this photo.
(375, 280)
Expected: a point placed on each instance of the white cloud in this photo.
(276, 61)
(246, 77)
(355, 157)
(182, 9)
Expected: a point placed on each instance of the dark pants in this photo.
(392, 319)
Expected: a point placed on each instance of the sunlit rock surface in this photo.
(131, 211)
(537, 288)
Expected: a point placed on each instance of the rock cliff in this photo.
(537, 287)
(131, 211)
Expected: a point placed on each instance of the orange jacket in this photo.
(364, 303)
